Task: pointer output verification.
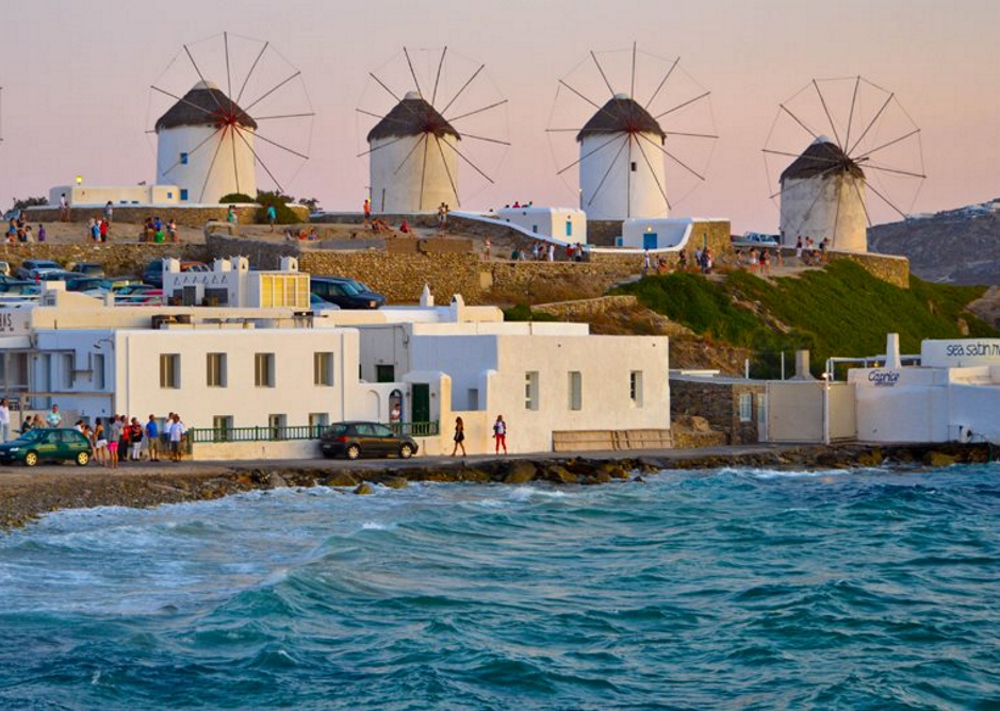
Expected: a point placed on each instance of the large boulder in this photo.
(342, 479)
(519, 471)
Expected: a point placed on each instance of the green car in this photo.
(48, 445)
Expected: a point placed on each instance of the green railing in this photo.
(290, 433)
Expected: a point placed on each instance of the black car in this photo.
(29, 267)
(365, 439)
(344, 293)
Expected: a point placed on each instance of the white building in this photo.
(411, 159)
(823, 196)
(275, 371)
(952, 396)
(231, 283)
(205, 146)
(562, 223)
(621, 164)
(99, 196)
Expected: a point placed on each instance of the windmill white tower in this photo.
(206, 115)
(211, 139)
(629, 161)
(399, 185)
(415, 151)
(822, 196)
(613, 185)
(875, 148)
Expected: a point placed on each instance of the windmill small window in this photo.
(184, 158)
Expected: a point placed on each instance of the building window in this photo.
(170, 195)
(263, 371)
(184, 158)
(100, 381)
(746, 407)
(575, 390)
(534, 228)
(184, 195)
(385, 373)
(222, 426)
(531, 390)
(216, 370)
(635, 388)
(67, 368)
(170, 370)
(284, 290)
(323, 369)
(569, 228)
(318, 421)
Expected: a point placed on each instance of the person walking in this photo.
(152, 439)
(63, 208)
(459, 437)
(4, 419)
(272, 217)
(368, 211)
(500, 434)
(109, 212)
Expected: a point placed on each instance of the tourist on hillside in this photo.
(4, 419)
(368, 211)
(63, 208)
(152, 440)
(405, 227)
(103, 230)
(646, 264)
(109, 211)
(272, 217)
(552, 253)
(54, 418)
(682, 260)
(487, 249)
(172, 231)
(459, 437)
(798, 251)
(441, 217)
(42, 234)
(823, 246)
(231, 215)
(500, 435)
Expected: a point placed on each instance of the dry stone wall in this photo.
(185, 216)
(117, 259)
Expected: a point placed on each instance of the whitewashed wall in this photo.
(205, 182)
(396, 189)
(815, 206)
(625, 193)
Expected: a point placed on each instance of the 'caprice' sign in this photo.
(883, 378)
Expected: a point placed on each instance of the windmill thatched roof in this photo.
(412, 116)
(213, 109)
(822, 157)
(621, 115)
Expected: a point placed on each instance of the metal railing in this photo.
(290, 433)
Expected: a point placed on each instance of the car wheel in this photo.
(31, 459)
(353, 452)
(406, 451)
(83, 459)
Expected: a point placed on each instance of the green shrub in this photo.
(235, 199)
(523, 312)
(285, 215)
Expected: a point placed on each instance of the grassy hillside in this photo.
(839, 311)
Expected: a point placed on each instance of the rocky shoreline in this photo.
(27, 494)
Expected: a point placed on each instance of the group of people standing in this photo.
(499, 436)
(806, 251)
(19, 231)
(156, 230)
(122, 439)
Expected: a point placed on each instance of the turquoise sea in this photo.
(731, 589)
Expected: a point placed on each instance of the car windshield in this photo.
(349, 288)
(336, 430)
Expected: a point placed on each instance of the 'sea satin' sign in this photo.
(964, 352)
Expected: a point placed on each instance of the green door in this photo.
(420, 405)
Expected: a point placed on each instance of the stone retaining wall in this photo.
(586, 309)
(719, 403)
(185, 216)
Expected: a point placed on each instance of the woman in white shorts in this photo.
(100, 444)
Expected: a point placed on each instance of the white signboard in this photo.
(960, 352)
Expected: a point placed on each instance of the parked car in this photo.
(47, 445)
(92, 269)
(757, 239)
(29, 266)
(88, 284)
(341, 292)
(18, 286)
(153, 273)
(54, 275)
(353, 440)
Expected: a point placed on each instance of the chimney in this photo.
(892, 359)
(426, 297)
(802, 366)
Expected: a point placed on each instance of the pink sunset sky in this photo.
(76, 77)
